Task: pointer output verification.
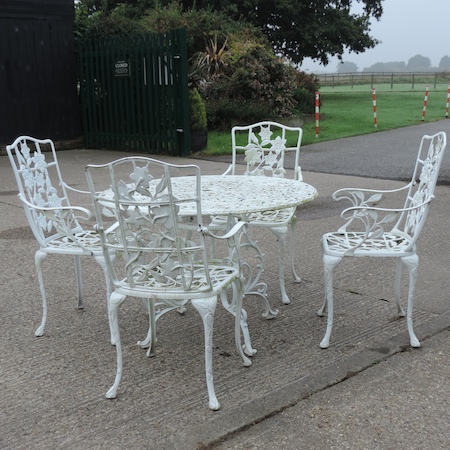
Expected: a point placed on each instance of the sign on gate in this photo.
(122, 69)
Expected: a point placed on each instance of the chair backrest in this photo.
(40, 185)
(160, 249)
(422, 185)
(265, 145)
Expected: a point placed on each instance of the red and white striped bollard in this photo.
(425, 103)
(317, 114)
(448, 101)
(374, 102)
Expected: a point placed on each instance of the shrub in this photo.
(225, 113)
(304, 93)
(197, 118)
(254, 85)
(305, 100)
(99, 25)
(201, 25)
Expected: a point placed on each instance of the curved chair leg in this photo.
(398, 277)
(329, 264)
(38, 258)
(281, 233)
(79, 281)
(206, 308)
(150, 340)
(152, 328)
(233, 309)
(237, 310)
(297, 278)
(412, 263)
(101, 261)
(114, 302)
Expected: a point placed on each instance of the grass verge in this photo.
(347, 111)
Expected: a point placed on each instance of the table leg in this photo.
(251, 260)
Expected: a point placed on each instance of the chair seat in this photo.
(154, 278)
(387, 244)
(84, 242)
(271, 218)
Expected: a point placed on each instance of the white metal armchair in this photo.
(367, 229)
(54, 222)
(163, 256)
(265, 150)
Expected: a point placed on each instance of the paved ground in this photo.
(368, 390)
(399, 403)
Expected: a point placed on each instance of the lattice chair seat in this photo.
(88, 239)
(272, 217)
(265, 148)
(151, 277)
(371, 230)
(360, 245)
(162, 256)
(55, 223)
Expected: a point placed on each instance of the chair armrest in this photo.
(233, 238)
(298, 173)
(373, 219)
(79, 191)
(52, 210)
(357, 196)
(229, 170)
(236, 228)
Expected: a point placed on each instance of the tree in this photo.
(394, 66)
(298, 29)
(135, 7)
(346, 67)
(444, 64)
(418, 63)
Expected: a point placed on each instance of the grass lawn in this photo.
(347, 111)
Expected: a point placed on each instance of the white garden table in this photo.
(236, 196)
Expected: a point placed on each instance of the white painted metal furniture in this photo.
(54, 222)
(368, 232)
(237, 196)
(163, 255)
(265, 150)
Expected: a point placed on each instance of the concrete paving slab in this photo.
(401, 402)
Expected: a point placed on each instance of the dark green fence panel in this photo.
(134, 93)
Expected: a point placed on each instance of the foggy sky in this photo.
(407, 28)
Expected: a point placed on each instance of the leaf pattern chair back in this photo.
(266, 148)
(423, 183)
(40, 183)
(160, 249)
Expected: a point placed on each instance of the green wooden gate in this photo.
(134, 93)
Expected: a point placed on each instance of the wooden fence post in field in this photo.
(317, 114)
(425, 103)
(374, 102)
(448, 100)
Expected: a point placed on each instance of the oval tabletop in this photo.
(238, 195)
(235, 195)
